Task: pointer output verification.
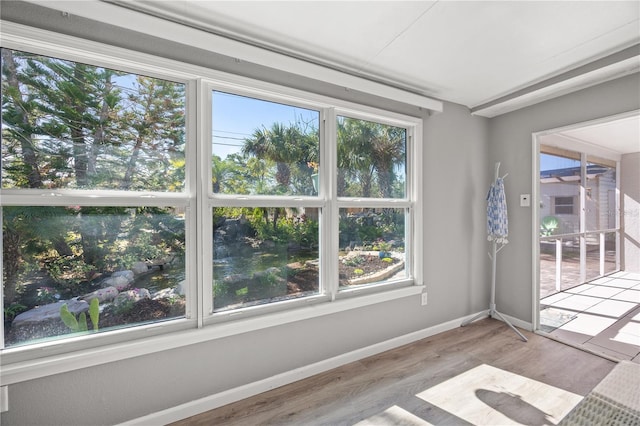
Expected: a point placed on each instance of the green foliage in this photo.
(354, 260)
(124, 307)
(80, 323)
(387, 260)
(358, 271)
(549, 226)
(94, 313)
(382, 246)
(46, 295)
(13, 310)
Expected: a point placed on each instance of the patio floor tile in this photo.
(628, 296)
(606, 316)
(612, 308)
(554, 298)
(622, 283)
(580, 288)
(602, 291)
(577, 302)
(588, 324)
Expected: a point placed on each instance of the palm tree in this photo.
(273, 144)
(387, 150)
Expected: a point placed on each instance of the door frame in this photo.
(581, 147)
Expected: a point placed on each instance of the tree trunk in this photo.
(80, 152)
(28, 153)
(11, 260)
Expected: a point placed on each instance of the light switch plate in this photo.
(525, 200)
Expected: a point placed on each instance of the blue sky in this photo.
(553, 162)
(236, 117)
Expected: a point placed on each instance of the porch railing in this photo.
(566, 241)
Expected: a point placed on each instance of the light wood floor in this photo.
(479, 374)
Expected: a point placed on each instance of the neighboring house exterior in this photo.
(560, 198)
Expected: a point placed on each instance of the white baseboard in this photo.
(211, 402)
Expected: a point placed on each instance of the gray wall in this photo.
(630, 205)
(455, 270)
(510, 142)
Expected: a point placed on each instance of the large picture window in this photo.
(73, 136)
(139, 200)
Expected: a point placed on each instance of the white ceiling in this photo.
(491, 56)
(471, 53)
(621, 136)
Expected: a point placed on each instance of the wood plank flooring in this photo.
(479, 374)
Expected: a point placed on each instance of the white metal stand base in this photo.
(492, 312)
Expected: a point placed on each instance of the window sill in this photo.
(33, 369)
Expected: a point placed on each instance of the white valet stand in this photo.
(493, 312)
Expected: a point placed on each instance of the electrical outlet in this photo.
(424, 299)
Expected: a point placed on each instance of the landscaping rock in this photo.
(128, 274)
(132, 296)
(139, 268)
(181, 287)
(44, 321)
(103, 295)
(165, 293)
(119, 282)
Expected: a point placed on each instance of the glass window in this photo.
(58, 262)
(80, 263)
(263, 148)
(563, 205)
(372, 246)
(67, 125)
(371, 159)
(601, 195)
(263, 255)
(106, 219)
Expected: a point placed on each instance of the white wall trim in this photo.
(211, 402)
(198, 37)
(33, 369)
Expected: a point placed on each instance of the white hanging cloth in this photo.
(497, 221)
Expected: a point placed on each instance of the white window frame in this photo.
(200, 325)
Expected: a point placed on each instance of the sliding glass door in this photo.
(578, 218)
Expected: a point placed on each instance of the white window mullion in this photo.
(329, 246)
(205, 227)
(583, 217)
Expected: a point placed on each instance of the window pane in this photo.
(263, 255)
(601, 197)
(263, 148)
(130, 259)
(67, 125)
(559, 194)
(372, 247)
(371, 159)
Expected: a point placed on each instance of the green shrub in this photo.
(80, 323)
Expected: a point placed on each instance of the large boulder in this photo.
(139, 268)
(128, 274)
(44, 321)
(132, 296)
(106, 294)
(119, 282)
